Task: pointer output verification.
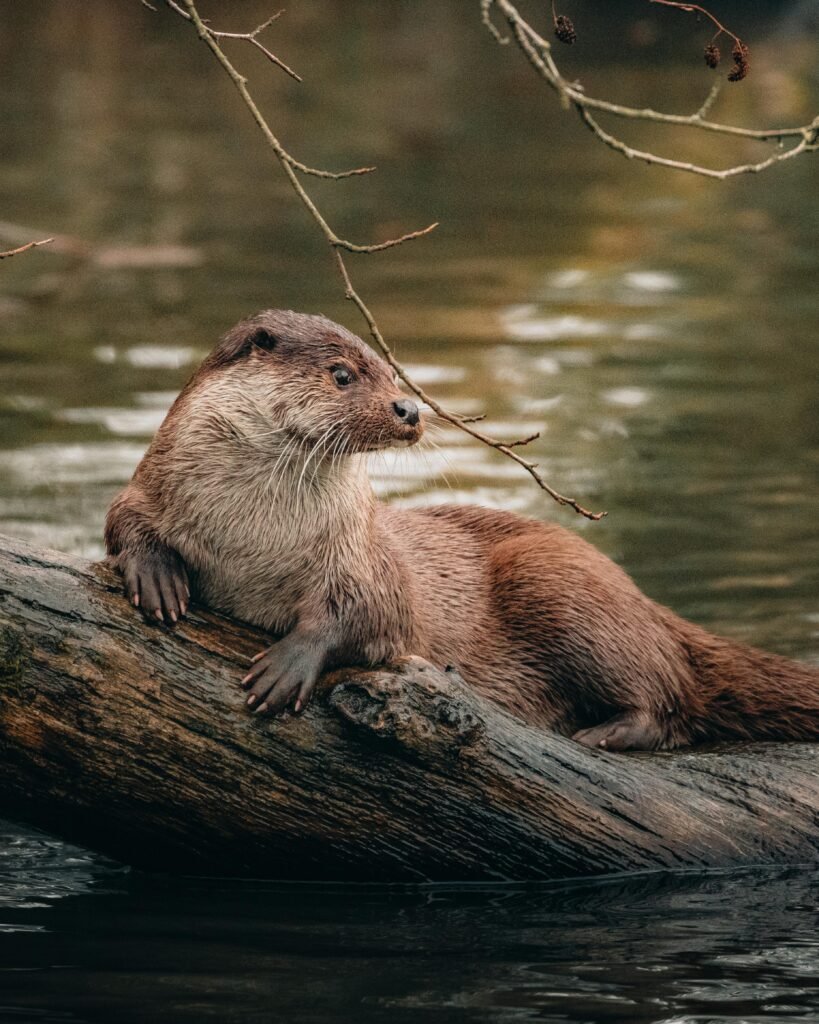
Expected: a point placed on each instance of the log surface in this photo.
(133, 740)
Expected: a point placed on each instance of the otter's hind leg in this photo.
(631, 730)
(612, 674)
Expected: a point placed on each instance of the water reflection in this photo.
(103, 945)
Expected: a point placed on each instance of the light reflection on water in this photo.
(660, 332)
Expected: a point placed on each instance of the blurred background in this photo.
(659, 328)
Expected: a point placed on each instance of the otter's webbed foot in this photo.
(285, 674)
(632, 730)
(156, 582)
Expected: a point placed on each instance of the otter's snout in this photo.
(407, 411)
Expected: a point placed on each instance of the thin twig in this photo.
(24, 248)
(520, 443)
(691, 8)
(175, 7)
(486, 17)
(335, 175)
(250, 37)
(462, 422)
(276, 60)
(339, 245)
(680, 165)
(342, 243)
(538, 52)
(709, 101)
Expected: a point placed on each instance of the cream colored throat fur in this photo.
(261, 515)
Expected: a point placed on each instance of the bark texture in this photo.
(133, 740)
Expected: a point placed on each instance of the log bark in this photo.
(133, 740)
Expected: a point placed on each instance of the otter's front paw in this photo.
(156, 582)
(283, 674)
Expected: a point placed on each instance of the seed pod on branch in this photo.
(712, 55)
(742, 66)
(564, 30)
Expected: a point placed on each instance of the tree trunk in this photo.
(133, 740)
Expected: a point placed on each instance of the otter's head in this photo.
(306, 378)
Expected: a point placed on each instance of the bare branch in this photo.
(276, 60)
(342, 243)
(538, 52)
(486, 17)
(24, 248)
(692, 8)
(518, 444)
(710, 100)
(251, 37)
(175, 7)
(680, 165)
(334, 175)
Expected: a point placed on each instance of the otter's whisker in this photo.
(404, 478)
(334, 453)
(309, 458)
(341, 450)
(281, 458)
(285, 455)
(444, 457)
(327, 442)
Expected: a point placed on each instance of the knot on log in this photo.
(429, 713)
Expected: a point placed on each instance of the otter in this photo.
(254, 496)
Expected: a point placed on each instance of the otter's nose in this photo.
(407, 410)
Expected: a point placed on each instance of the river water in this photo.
(659, 329)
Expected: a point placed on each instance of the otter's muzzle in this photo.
(407, 411)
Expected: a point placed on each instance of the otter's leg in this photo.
(286, 673)
(156, 580)
(631, 730)
(606, 653)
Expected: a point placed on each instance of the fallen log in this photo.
(133, 740)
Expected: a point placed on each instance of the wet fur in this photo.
(257, 484)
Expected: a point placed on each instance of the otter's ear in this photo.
(239, 342)
(262, 339)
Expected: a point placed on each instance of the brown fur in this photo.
(256, 484)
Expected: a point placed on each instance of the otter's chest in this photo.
(264, 586)
(259, 564)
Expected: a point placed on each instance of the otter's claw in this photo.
(156, 582)
(283, 675)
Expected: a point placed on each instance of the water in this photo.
(82, 942)
(659, 329)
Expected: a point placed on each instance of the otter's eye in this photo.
(342, 376)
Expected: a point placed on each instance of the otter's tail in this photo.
(747, 693)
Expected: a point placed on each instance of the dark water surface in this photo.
(660, 329)
(79, 942)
